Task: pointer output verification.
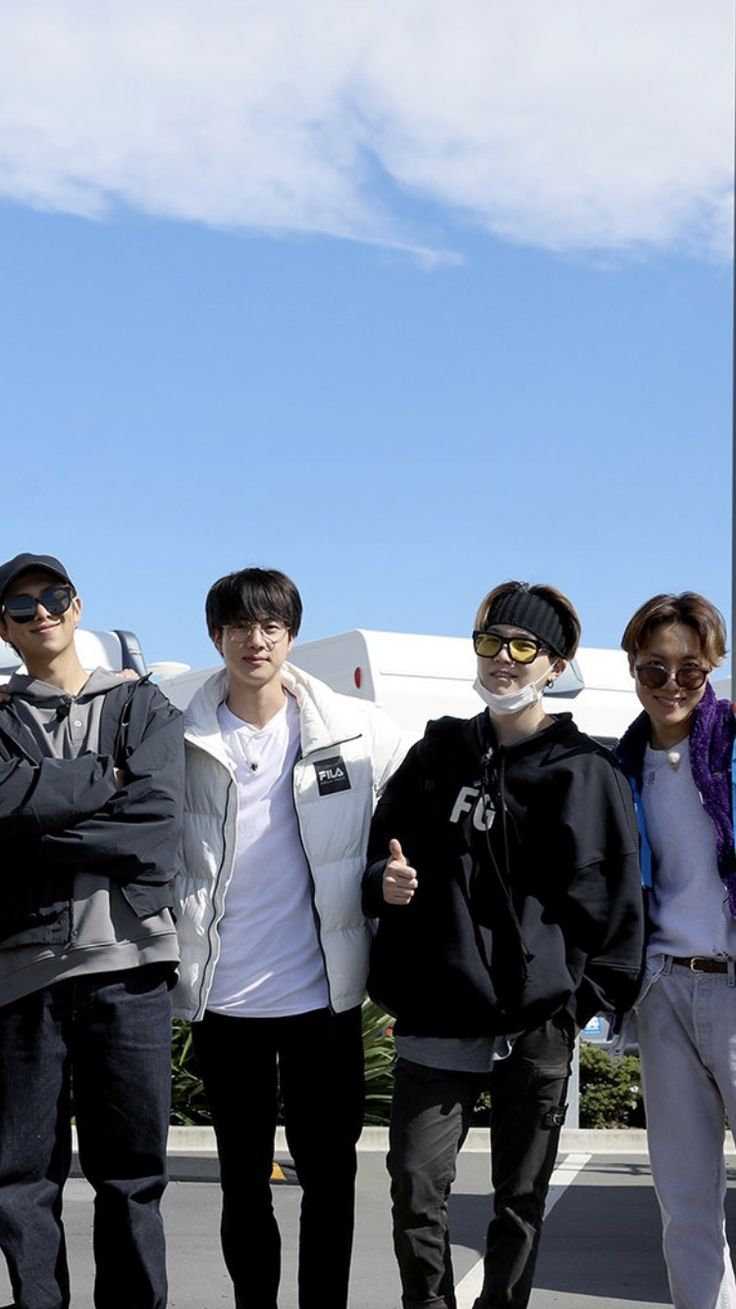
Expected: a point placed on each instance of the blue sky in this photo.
(396, 355)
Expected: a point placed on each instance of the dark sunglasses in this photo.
(55, 600)
(655, 676)
(522, 649)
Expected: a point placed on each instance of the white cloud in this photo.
(567, 124)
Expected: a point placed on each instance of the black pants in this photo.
(317, 1060)
(430, 1117)
(108, 1035)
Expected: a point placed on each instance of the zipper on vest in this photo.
(213, 932)
(312, 886)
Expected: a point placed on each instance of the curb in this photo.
(612, 1140)
(615, 1140)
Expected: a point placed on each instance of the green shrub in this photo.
(189, 1102)
(378, 1049)
(610, 1089)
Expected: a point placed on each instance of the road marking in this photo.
(563, 1175)
(468, 1290)
(78, 1189)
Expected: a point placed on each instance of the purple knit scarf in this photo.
(711, 745)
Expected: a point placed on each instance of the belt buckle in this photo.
(693, 965)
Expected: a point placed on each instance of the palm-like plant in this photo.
(189, 1105)
(378, 1050)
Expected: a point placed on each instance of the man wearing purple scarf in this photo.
(678, 758)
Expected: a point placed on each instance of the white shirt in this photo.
(688, 907)
(270, 964)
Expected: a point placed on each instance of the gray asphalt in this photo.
(601, 1247)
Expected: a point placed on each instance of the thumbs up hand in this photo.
(399, 878)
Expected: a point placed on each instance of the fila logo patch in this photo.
(332, 775)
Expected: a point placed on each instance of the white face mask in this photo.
(514, 701)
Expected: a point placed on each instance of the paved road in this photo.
(600, 1250)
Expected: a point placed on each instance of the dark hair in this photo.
(254, 595)
(689, 608)
(563, 608)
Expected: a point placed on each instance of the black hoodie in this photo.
(528, 897)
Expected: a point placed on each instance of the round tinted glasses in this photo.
(55, 600)
(242, 633)
(522, 649)
(655, 676)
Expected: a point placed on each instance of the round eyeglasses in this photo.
(242, 633)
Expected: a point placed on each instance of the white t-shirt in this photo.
(688, 908)
(270, 963)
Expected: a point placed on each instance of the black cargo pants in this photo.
(431, 1113)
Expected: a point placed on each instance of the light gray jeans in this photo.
(687, 1038)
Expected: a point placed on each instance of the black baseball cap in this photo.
(25, 563)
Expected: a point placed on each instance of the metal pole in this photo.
(572, 1118)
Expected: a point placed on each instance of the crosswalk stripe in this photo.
(468, 1290)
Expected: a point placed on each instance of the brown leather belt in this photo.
(703, 965)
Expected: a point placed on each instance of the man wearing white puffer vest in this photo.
(282, 778)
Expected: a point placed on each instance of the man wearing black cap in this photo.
(91, 780)
(509, 913)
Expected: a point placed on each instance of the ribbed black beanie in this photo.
(535, 615)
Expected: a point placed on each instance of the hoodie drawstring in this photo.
(486, 760)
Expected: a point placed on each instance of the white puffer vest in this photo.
(349, 749)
